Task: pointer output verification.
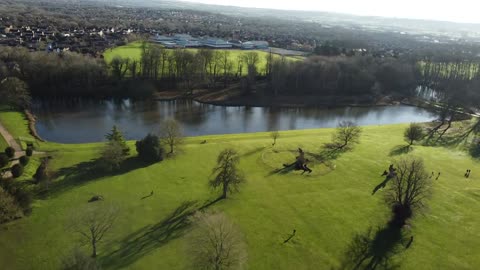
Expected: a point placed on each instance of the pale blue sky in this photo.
(448, 10)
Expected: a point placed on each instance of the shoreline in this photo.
(280, 102)
(31, 125)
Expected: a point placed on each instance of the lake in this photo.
(83, 121)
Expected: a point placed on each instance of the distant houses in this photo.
(187, 41)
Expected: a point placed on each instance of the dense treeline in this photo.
(455, 81)
(53, 74)
(70, 74)
(341, 75)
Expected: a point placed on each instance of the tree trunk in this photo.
(225, 190)
(171, 148)
(94, 247)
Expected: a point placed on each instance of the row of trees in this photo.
(206, 67)
(51, 73)
(342, 76)
(70, 74)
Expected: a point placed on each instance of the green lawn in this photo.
(327, 208)
(133, 51)
(3, 143)
(16, 123)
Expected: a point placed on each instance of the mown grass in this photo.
(327, 208)
(3, 144)
(134, 52)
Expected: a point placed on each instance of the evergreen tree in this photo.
(116, 136)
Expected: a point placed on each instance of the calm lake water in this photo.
(88, 121)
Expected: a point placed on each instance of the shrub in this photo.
(149, 149)
(9, 210)
(24, 160)
(10, 152)
(29, 152)
(17, 170)
(3, 160)
(22, 196)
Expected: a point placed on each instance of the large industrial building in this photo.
(187, 41)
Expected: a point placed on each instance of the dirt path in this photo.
(9, 139)
(12, 143)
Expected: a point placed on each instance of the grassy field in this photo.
(327, 208)
(3, 144)
(445, 68)
(133, 51)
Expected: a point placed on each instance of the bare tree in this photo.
(226, 172)
(119, 67)
(226, 66)
(410, 187)
(251, 58)
(347, 133)
(274, 135)
(93, 223)
(413, 133)
(171, 134)
(216, 243)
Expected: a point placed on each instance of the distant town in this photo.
(84, 40)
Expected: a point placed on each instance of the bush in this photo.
(22, 196)
(10, 152)
(9, 210)
(149, 149)
(29, 152)
(24, 160)
(17, 170)
(3, 160)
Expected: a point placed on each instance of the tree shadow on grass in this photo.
(287, 168)
(325, 156)
(374, 249)
(381, 185)
(474, 149)
(253, 151)
(85, 172)
(400, 150)
(329, 152)
(142, 242)
(452, 139)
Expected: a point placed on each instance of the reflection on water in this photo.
(78, 121)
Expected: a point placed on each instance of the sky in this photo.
(467, 11)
